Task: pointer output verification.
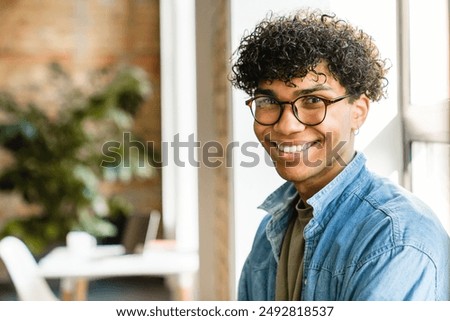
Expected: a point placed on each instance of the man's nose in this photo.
(288, 123)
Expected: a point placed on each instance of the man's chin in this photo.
(293, 172)
(298, 163)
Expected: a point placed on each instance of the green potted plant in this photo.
(56, 158)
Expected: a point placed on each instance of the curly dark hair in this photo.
(287, 47)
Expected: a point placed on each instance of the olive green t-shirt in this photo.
(290, 266)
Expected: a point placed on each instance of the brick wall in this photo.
(83, 35)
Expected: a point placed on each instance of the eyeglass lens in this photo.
(309, 110)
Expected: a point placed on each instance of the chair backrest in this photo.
(24, 271)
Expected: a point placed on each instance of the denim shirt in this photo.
(369, 239)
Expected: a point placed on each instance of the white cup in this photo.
(80, 243)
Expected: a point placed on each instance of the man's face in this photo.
(320, 151)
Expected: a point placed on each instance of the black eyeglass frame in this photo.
(327, 103)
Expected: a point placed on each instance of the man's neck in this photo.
(307, 189)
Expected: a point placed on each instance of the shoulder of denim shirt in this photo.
(413, 222)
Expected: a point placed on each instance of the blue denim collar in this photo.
(350, 175)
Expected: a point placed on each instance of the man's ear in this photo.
(360, 110)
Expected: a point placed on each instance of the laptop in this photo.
(139, 230)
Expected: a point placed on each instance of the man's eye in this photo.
(312, 100)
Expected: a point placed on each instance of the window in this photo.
(425, 101)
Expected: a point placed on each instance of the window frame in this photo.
(429, 124)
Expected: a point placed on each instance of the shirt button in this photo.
(306, 281)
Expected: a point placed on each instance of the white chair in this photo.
(24, 271)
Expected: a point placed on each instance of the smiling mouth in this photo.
(290, 149)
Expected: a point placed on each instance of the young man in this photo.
(334, 230)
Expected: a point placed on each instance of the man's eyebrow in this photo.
(300, 92)
(307, 91)
(260, 91)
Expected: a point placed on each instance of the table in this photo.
(104, 261)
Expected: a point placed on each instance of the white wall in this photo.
(179, 117)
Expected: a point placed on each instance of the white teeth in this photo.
(293, 148)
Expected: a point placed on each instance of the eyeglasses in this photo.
(309, 110)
